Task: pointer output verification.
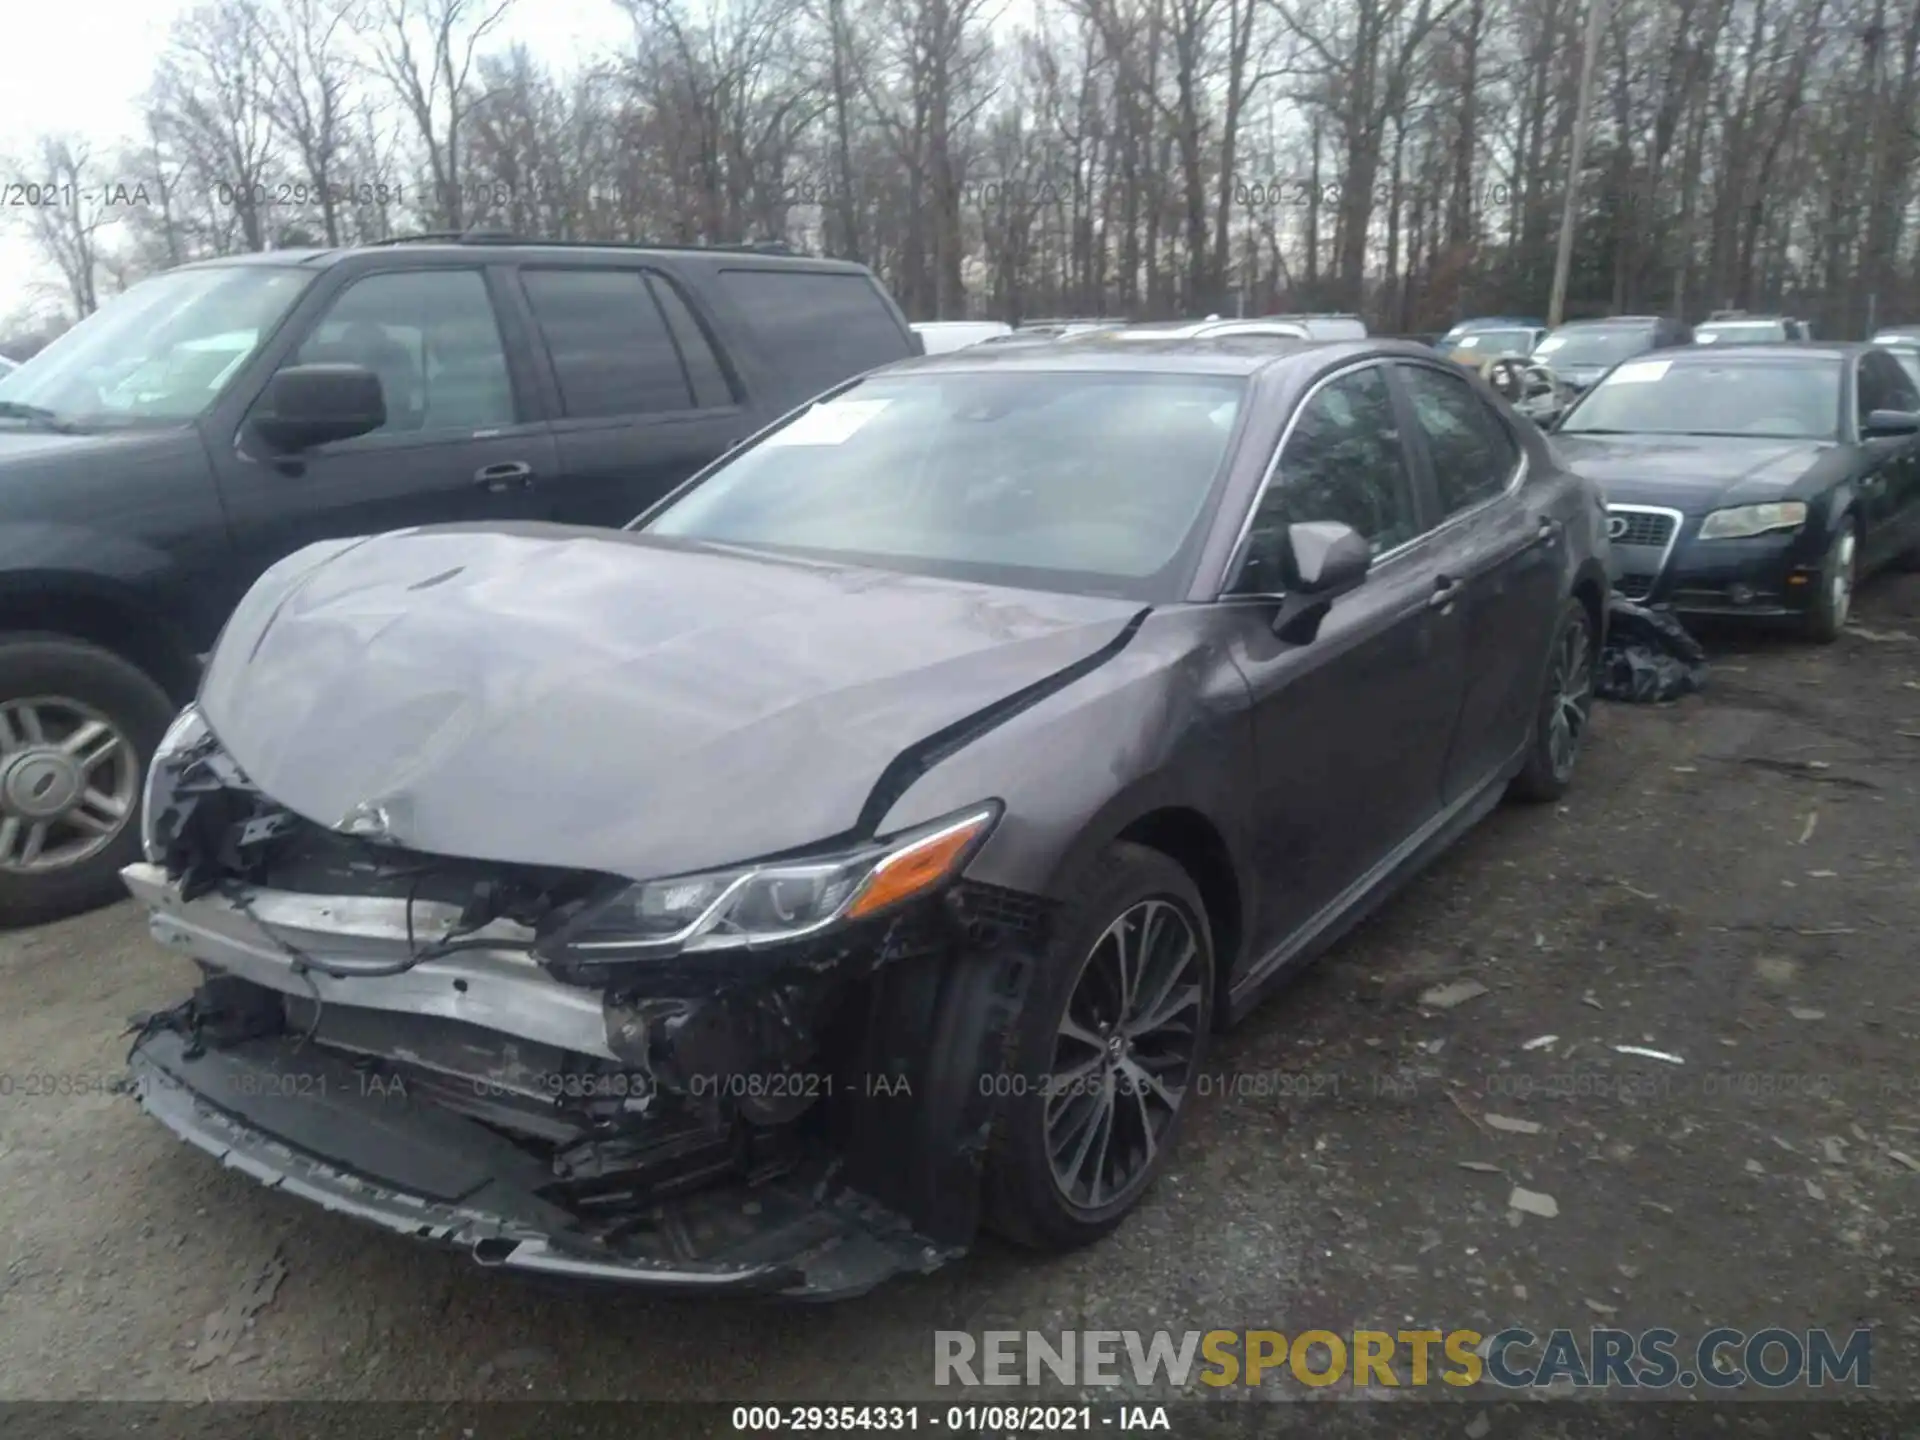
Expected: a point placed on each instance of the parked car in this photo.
(870, 837)
(164, 452)
(1754, 481)
(940, 336)
(1278, 327)
(1581, 351)
(1737, 327)
(1491, 337)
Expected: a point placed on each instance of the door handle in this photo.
(504, 476)
(1446, 590)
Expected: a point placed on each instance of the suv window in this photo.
(1884, 386)
(710, 388)
(431, 337)
(814, 324)
(611, 349)
(1472, 452)
(1343, 461)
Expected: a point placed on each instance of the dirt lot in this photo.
(1732, 881)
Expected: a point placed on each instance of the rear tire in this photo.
(1086, 1056)
(1832, 603)
(1565, 709)
(78, 727)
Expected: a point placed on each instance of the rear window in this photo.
(815, 327)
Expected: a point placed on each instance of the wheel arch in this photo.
(99, 612)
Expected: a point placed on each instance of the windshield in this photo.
(1597, 346)
(159, 353)
(1740, 331)
(1784, 400)
(1491, 342)
(1092, 483)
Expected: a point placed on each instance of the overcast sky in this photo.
(81, 66)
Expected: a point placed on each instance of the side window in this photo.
(431, 337)
(1473, 455)
(612, 352)
(817, 326)
(710, 388)
(1343, 461)
(1885, 385)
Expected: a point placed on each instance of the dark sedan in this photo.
(1756, 481)
(863, 845)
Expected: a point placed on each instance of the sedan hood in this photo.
(600, 700)
(1692, 474)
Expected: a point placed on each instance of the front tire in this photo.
(1566, 707)
(78, 726)
(1108, 1049)
(1833, 599)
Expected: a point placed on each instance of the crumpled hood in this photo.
(602, 700)
(1689, 473)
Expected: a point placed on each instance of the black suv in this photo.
(160, 455)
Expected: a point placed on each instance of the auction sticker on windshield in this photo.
(1641, 372)
(828, 424)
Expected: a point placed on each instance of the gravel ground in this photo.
(1731, 881)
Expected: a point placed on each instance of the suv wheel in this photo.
(77, 727)
(1566, 706)
(1107, 1052)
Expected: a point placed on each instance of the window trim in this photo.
(1237, 556)
(1515, 480)
(657, 279)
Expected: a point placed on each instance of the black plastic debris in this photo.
(1649, 656)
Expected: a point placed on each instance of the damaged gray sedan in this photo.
(860, 848)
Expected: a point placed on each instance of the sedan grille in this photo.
(1642, 528)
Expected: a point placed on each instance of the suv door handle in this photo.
(1548, 531)
(504, 476)
(1446, 590)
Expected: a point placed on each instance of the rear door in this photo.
(1352, 728)
(638, 392)
(1503, 553)
(462, 441)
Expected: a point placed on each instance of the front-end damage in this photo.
(423, 1041)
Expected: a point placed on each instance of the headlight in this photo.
(187, 730)
(1744, 520)
(772, 903)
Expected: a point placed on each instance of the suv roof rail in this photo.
(479, 235)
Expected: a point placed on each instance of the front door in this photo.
(456, 444)
(1351, 728)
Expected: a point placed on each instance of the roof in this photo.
(1602, 321)
(1223, 355)
(521, 250)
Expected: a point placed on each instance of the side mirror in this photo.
(308, 405)
(1891, 422)
(1328, 559)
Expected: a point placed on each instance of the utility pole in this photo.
(1563, 261)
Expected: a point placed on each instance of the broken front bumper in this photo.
(312, 1127)
(894, 1191)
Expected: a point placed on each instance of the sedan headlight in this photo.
(1743, 521)
(187, 730)
(776, 902)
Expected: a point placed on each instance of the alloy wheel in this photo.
(1840, 581)
(1572, 701)
(1123, 1055)
(68, 783)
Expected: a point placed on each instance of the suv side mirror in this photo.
(308, 405)
(1891, 422)
(1328, 559)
